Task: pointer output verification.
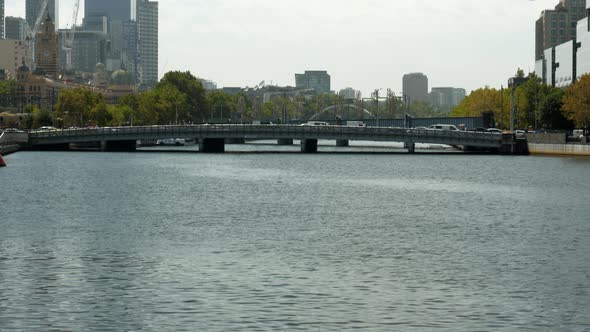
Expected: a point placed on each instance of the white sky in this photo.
(363, 44)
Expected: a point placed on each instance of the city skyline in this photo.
(457, 43)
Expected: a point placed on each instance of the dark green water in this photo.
(248, 242)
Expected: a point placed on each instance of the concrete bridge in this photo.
(212, 138)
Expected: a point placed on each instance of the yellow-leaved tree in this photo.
(576, 103)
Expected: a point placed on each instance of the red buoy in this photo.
(2, 163)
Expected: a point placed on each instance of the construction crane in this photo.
(68, 42)
(31, 36)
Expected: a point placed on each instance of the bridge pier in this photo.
(342, 143)
(411, 147)
(235, 141)
(118, 146)
(309, 145)
(212, 145)
(285, 141)
(51, 147)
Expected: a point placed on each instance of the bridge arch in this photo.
(345, 110)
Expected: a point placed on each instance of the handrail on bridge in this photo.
(169, 131)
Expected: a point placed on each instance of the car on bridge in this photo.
(315, 123)
(445, 127)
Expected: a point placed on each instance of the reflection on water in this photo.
(185, 242)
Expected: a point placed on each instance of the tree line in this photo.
(536, 105)
(180, 98)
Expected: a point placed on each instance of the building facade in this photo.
(47, 48)
(147, 39)
(15, 28)
(444, 99)
(348, 93)
(563, 64)
(12, 55)
(89, 49)
(415, 88)
(116, 10)
(557, 26)
(33, 8)
(319, 80)
(1, 19)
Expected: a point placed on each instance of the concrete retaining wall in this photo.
(560, 149)
(547, 138)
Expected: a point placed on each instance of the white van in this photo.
(444, 127)
(315, 123)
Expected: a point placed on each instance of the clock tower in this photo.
(47, 48)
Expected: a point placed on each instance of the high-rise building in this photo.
(147, 33)
(415, 88)
(33, 8)
(319, 80)
(557, 26)
(444, 99)
(1, 19)
(12, 55)
(47, 48)
(89, 49)
(116, 10)
(15, 28)
(565, 63)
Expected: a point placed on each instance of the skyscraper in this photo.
(1, 19)
(15, 28)
(147, 33)
(319, 80)
(32, 8)
(113, 9)
(415, 86)
(557, 26)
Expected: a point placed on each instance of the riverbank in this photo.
(9, 149)
(556, 144)
(560, 149)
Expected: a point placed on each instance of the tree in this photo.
(8, 93)
(551, 113)
(192, 88)
(221, 106)
(74, 106)
(577, 102)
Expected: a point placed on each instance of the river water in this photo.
(293, 242)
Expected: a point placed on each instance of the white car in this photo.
(494, 130)
(444, 127)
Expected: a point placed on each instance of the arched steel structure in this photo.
(346, 110)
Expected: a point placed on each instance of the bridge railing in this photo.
(245, 130)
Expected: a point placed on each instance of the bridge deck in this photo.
(476, 139)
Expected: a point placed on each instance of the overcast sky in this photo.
(365, 44)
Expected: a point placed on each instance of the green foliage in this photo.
(79, 107)
(41, 117)
(8, 93)
(423, 110)
(195, 108)
(551, 111)
(221, 106)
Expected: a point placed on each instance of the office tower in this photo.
(319, 80)
(415, 88)
(444, 99)
(119, 10)
(557, 26)
(32, 8)
(147, 33)
(15, 28)
(1, 19)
